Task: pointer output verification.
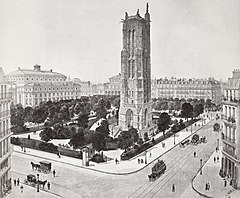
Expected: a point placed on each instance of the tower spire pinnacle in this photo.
(147, 8)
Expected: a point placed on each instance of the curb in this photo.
(192, 180)
(114, 173)
(42, 190)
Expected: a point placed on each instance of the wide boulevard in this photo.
(71, 181)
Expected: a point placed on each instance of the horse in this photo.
(42, 183)
(36, 166)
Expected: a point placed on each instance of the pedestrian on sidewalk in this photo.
(217, 159)
(48, 185)
(230, 183)
(173, 188)
(15, 182)
(138, 161)
(54, 173)
(22, 147)
(206, 186)
(18, 181)
(141, 161)
(116, 161)
(225, 182)
(21, 187)
(194, 154)
(214, 159)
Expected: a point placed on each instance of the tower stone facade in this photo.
(135, 105)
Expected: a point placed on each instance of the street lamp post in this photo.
(217, 144)
(37, 182)
(145, 157)
(200, 166)
(174, 138)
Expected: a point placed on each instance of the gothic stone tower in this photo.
(135, 106)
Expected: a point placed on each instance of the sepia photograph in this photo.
(119, 98)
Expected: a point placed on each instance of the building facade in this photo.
(230, 162)
(187, 88)
(135, 105)
(5, 133)
(86, 87)
(35, 86)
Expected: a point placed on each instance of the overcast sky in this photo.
(83, 38)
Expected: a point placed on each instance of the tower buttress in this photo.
(135, 106)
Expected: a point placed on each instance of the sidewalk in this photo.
(124, 167)
(210, 173)
(29, 191)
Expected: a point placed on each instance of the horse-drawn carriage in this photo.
(43, 166)
(197, 140)
(157, 170)
(184, 143)
(32, 181)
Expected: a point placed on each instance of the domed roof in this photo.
(36, 71)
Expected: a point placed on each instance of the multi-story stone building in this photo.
(5, 133)
(187, 88)
(86, 86)
(231, 129)
(35, 86)
(135, 105)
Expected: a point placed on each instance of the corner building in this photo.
(135, 105)
(230, 162)
(5, 133)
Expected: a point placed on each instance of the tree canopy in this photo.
(187, 110)
(164, 122)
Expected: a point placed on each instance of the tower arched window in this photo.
(129, 42)
(133, 35)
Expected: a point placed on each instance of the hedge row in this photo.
(43, 146)
(126, 155)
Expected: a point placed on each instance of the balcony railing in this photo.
(4, 113)
(7, 95)
(229, 151)
(224, 137)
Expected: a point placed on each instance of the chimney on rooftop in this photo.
(50, 70)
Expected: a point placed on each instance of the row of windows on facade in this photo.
(229, 111)
(4, 106)
(5, 147)
(229, 133)
(4, 164)
(51, 94)
(114, 87)
(15, 79)
(4, 127)
(182, 82)
(183, 92)
(185, 86)
(48, 89)
(228, 93)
